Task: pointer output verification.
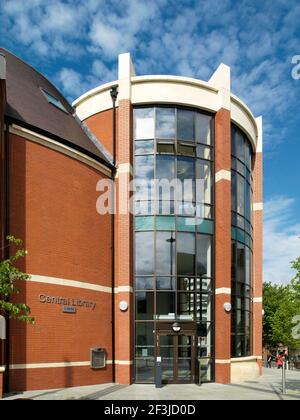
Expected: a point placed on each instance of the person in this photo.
(279, 361)
(269, 361)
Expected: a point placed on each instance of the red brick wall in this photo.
(124, 271)
(53, 209)
(101, 125)
(223, 246)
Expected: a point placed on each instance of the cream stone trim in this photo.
(221, 79)
(257, 206)
(223, 291)
(124, 168)
(2, 369)
(223, 175)
(243, 117)
(124, 289)
(61, 365)
(68, 283)
(259, 145)
(244, 359)
(48, 365)
(126, 72)
(210, 96)
(124, 362)
(222, 361)
(257, 300)
(58, 147)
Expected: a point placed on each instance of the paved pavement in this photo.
(267, 387)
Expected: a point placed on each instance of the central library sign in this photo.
(67, 301)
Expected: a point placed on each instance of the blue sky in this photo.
(76, 44)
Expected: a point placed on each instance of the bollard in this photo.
(158, 373)
(284, 376)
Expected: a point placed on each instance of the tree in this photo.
(9, 275)
(272, 298)
(282, 306)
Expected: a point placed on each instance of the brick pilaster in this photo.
(222, 246)
(257, 220)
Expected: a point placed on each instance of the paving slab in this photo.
(266, 387)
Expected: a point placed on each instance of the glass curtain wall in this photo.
(242, 244)
(173, 228)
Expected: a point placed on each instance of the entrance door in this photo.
(177, 352)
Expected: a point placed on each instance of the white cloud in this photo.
(281, 240)
(165, 36)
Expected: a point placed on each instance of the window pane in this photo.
(203, 307)
(248, 278)
(144, 334)
(165, 123)
(186, 174)
(186, 254)
(165, 167)
(144, 167)
(144, 305)
(203, 255)
(143, 208)
(144, 283)
(186, 224)
(203, 177)
(233, 151)
(203, 152)
(165, 253)
(202, 128)
(165, 305)
(165, 283)
(144, 175)
(184, 150)
(205, 226)
(240, 146)
(233, 191)
(144, 223)
(185, 125)
(186, 306)
(165, 149)
(240, 262)
(248, 202)
(144, 123)
(165, 223)
(144, 252)
(248, 155)
(144, 370)
(187, 284)
(144, 147)
(240, 195)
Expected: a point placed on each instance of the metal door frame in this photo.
(175, 355)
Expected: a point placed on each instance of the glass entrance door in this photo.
(177, 352)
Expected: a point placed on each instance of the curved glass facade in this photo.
(173, 232)
(241, 255)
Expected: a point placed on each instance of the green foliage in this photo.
(281, 304)
(9, 275)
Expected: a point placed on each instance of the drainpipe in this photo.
(114, 96)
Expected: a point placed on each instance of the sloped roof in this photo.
(27, 105)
